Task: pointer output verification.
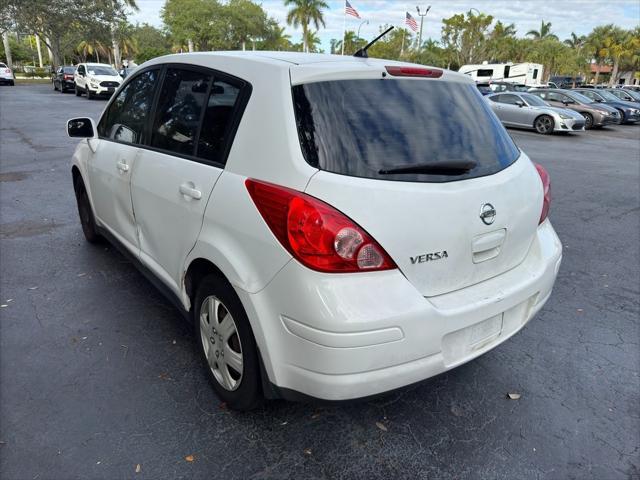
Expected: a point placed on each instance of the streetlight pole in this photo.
(422, 15)
(360, 26)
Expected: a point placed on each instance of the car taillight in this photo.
(318, 235)
(68, 77)
(546, 186)
(414, 72)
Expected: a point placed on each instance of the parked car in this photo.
(484, 88)
(248, 174)
(525, 110)
(62, 79)
(629, 111)
(632, 87)
(626, 94)
(6, 75)
(498, 87)
(566, 81)
(96, 79)
(595, 114)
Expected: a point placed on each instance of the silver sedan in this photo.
(529, 111)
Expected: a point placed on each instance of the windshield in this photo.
(362, 127)
(533, 100)
(98, 70)
(632, 94)
(608, 96)
(521, 88)
(579, 97)
(69, 69)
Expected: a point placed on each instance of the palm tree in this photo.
(543, 33)
(303, 13)
(115, 37)
(575, 42)
(89, 47)
(351, 43)
(313, 41)
(596, 46)
(618, 44)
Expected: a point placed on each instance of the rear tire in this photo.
(588, 121)
(78, 92)
(88, 93)
(544, 124)
(221, 326)
(85, 212)
(54, 86)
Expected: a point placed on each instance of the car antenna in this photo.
(362, 53)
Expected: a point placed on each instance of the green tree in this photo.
(351, 43)
(576, 42)
(595, 46)
(275, 38)
(464, 37)
(150, 41)
(194, 21)
(544, 32)
(304, 13)
(618, 45)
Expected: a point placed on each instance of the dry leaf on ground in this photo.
(513, 396)
(189, 458)
(381, 426)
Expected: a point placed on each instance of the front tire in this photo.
(226, 343)
(85, 212)
(88, 92)
(544, 124)
(621, 121)
(588, 121)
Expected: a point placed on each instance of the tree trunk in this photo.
(49, 52)
(595, 81)
(7, 49)
(305, 46)
(97, 55)
(614, 73)
(190, 45)
(39, 50)
(116, 50)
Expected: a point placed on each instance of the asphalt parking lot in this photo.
(99, 375)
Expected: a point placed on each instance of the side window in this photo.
(484, 72)
(535, 73)
(182, 100)
(510, 99)
(127, 115)
(554, 97)
(81, 70)
(217, 121)
(495, 98)
(591, 95)
(507, 69)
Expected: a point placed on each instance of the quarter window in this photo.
(127, 115)
(180, 107)
(484, 72)
(217, 121)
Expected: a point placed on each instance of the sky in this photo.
(566, 16)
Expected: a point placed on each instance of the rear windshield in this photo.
(360, 127)
(69, 69)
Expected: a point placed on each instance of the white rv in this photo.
(526, 73)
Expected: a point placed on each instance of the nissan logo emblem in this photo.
(487, 213)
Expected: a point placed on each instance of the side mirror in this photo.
(81, 128)
(520, 103)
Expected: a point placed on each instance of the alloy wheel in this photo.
(544, 124)
(221, 343)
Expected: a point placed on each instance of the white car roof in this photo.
(332, 66)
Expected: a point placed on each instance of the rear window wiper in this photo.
(442, 168)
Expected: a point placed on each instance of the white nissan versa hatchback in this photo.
(335, 227)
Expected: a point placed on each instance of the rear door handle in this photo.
(122, 166)
(189, 190)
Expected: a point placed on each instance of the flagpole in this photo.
(344, 26)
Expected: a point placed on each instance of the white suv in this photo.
(6, 75)
(335, 227)
(95, 79)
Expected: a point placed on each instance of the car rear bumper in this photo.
(338, 337)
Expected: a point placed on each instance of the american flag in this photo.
(349, 10)
(413, 25)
